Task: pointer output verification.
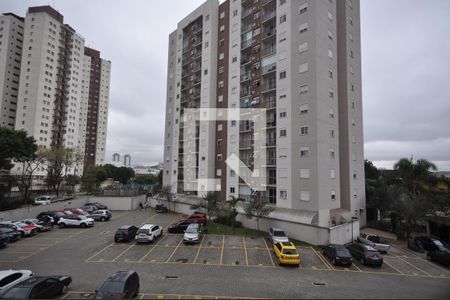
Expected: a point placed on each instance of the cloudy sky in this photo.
(406, 72)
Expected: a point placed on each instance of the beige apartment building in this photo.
(299, 62)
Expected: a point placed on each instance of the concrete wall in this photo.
(113, 203)
(341, 234)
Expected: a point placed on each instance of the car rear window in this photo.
(122, 231)
(143, 231)
(375, 239)
(343, 252)
(290, 251)
(279, 233)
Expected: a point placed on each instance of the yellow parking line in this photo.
(154, 246)
(126, 250)
(417, 268)
(357, 267)
(174, 251)
(198, 251)
(110, 245)
(329, 266)
(268, 252)
(394, 267)
(245, 251)
(221, 253)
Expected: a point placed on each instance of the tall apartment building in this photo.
(300, 62)
(11, 41)
(63, 90)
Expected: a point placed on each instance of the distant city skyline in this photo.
(405, 94)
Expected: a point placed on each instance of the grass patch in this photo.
(215, 228)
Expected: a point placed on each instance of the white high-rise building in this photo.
(11, 41)
(300, 60)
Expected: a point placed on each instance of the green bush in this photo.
(227, 220)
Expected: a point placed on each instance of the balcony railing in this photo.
(246, 76)
(245, 144)
(269, 15)
(272, 180)
(271, 161)
(269, 86)
(269, 104)
(244, 128)
(269, 68)
(271, 123)
(246, 43)
(246, 13)
(269, 51)
(271, 142)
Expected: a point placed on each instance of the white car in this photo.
(43, 200)
(148, 233)
(374, 241)
(75, 221)
(277, 235)
(9, 278)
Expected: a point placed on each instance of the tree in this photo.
(166, 193)
(27, 170)
(146, 179)
(257, 209)
(124, 175)
(232, 204)
(15, 145)
(211, 204)
(59, 160)
(91, 179)
(72, 181)
(413, 174)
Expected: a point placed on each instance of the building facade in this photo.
(299, 63)
(54, 87)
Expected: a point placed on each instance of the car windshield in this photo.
(438, 243)
(279, 233)
(111, 287)
(82, 217)
(375, 239)
(97, 212)
(290, 251)
(191, 230)
(343, 252)
(16, 293)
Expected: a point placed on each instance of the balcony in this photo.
(267, 34)
(246, 76)
(271, 123)
(244, 128)
(246, 93)
(265, 2)
(246, 28)
(269, 104)
(269, 68)
(246, 13)
(245, 144)
(269, 51)
(245, 44)
(269, 87)
(271, 181)
(271, 142)
(271, 161)
(269, 15)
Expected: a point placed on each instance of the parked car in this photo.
(199, 217)
(9, 278)
(286, 253)
(89, 208)
(192, 234)
(181, 226)
(100, 215)
(75, 221)
(55, 215)
(440, 255)
(38, 287)
(41, 225)
(126, 233)
(29, 229)
(13, 234)
(277, 235)
(374, 241)
(96, 204)
(424, 243)
(43, 200)
(11, 225)
(366, 254)
(4, 239)
(74, 211)
(161, 208)
(121, 285)
(338, 254)
(148, 233)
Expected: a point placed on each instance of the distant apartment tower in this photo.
(116, 157)
(127, 160)
(11, 41)
(62, 98)
(301, 62)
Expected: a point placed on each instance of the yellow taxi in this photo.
(286, 253)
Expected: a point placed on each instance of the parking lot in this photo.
(226, 262)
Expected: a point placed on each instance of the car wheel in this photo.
(152, 239)
(363, 261)
(160, 235)
(83, 225)
(62, 225)
(103, 219)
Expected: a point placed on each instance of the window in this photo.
(206, 44)
(350, 20)
(282, 19)
(219, 156)
(351, 53)
(303, 28)
(302, 8)
(205, 72)
(221, 84)
(283, 132)
(354, 156)
(222, 28)
(332, 173)
(353, 104)
(303, 109)
(330, 53)
(353, 122)
(232, 173)
(304, 152)
(331, 93)
(282, 74)
(304, 195)
(219, 172)
(283, 114)
(233, 123)
(207, 18)
(331, 113)
(304, 173)
(219, 127)
(330, 16)
(330, 35)
(232, 190)
(350, 36)
(234, 59)
(282, 2)
(332, 133)
(303, 68)
(235, 13)
(221, 70)
(303, 47)
(330, 74)
(220, 98)
(303, 89)
(222, 15)
(283, 194)
(353, 139)
(332, 153)
(304, 130)
(354, 175)
(333, 195)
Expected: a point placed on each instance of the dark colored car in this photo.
(125, 233)
(161, 208)
(4, 239)
(121, 285)
(424, 243)
(441, 255)
(12, 234)
(38, 287)
(96, 204)
(44, 216)
(366, 254)
(181, 226)
(338, 254)
(201, 218)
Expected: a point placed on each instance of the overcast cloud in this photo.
(406, 72)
